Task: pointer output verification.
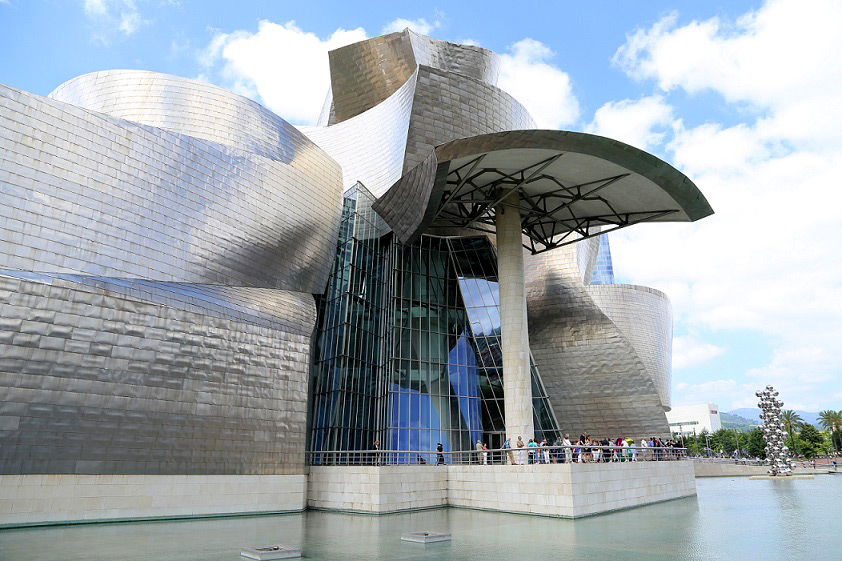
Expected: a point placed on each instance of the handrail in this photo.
(517, 456)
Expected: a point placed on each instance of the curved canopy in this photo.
(570, 185)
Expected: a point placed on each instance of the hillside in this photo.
(753, 415)
(731, 421)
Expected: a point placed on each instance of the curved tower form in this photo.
(157, 268)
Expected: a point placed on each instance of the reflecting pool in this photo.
(731, 518)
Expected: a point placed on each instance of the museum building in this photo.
(190, 286)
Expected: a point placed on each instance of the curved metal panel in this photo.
(101, 381)
(644, 316)
(449, 106)
(473, 62)
(596, 381)
(185, 106)
(366, 73)
(100, 196)
(370, 146)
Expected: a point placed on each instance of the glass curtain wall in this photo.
(603, 272)
(408, 343)
(475, 263)
(348, 389)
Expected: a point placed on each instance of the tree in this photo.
(832, 421)
(792, 421)
(756, 444)
(812, 441)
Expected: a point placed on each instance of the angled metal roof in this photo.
(571, 186)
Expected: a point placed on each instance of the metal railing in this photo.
(512, 456)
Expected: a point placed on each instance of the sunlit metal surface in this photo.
(366, 73)
(156, 278)
(161, 240)
(605, 369)
(96, 195)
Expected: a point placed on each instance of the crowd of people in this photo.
(583, 450)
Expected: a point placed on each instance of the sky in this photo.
(743, 97)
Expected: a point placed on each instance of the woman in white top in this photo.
(643, 446)
(568, 453)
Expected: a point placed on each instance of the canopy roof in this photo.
(571, 186)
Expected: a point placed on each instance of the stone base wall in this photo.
(377, 489)
(45, 499)
(562, 490)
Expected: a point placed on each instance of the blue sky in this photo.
(742, 96)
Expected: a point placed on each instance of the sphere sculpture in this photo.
(777, 453)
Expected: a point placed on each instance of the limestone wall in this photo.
(562, 490)
(37, 499)
(377, 489)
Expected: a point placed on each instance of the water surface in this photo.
(731, 518)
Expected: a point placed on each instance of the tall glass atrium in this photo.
(408, 343)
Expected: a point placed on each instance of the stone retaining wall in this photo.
(46, 499)
(564, 490)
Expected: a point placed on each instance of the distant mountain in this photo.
(730, 421)
(754, 416)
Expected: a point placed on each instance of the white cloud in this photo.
(767, 260)
(419, 25)
(643, 123)
(113, 17)
(544, 89)
(689, 351)
(291, 86)
(95, 8)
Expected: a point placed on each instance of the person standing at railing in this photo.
(507, 446)
(440, 455)
(376, 447)
(643, 446)
(531, 450)
(568, 453)
(479, 451)
(557, 453)
(521, 453)
(632, 449)
(484, 454)
(544, 445)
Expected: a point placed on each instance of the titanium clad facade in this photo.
(644, 316)
(99, 382)
(604, 368)
(156, 300)
(450, 106)
(370, 146)
(86, 193)
(185, 289)
(188, 107)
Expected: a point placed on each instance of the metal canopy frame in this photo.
(472, 193)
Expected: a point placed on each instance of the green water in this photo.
(729, 519)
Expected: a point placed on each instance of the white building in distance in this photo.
(693, 419)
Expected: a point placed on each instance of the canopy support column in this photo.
(514, 334)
